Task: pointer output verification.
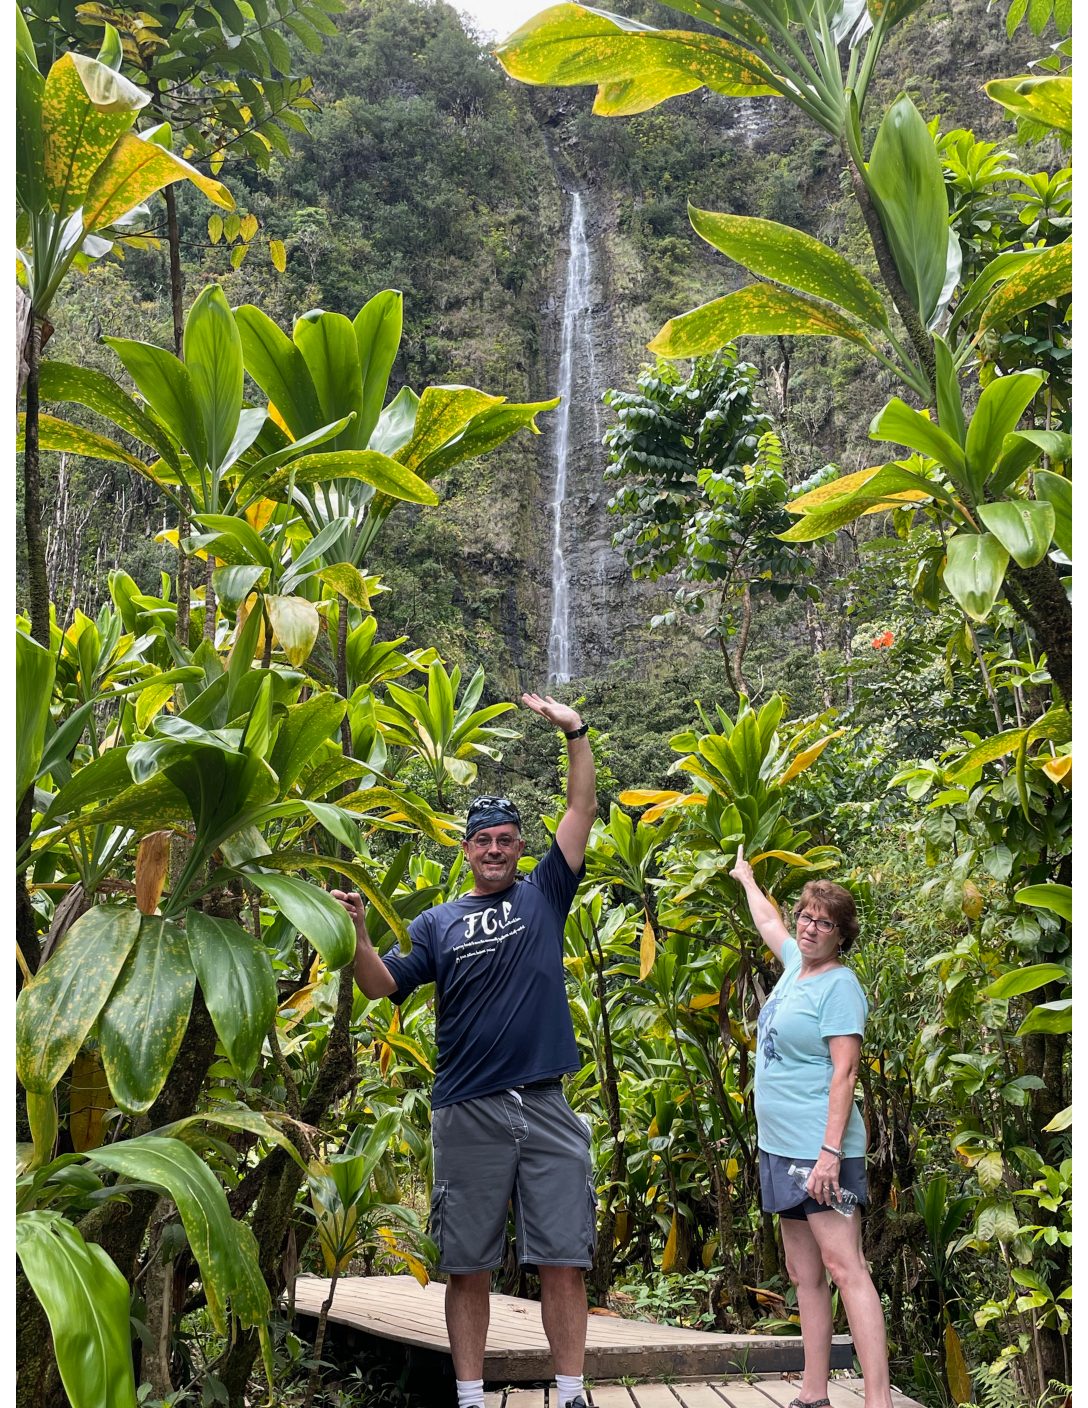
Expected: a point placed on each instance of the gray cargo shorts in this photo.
(527, 1147)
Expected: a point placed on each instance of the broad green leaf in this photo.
(34, 671)
(148, 806)
(295, 625)
(166, 386)
(86, 1300)
(302, 732)
(279, 369)
(396, 423)
(1054, 1018)
(68, 439)
(1062, 1120)
(902, 425)
(757, 310)
(1023, 526)
(238, 984)
(173, 1167)
(905, 177)
(327, 342)
(974, 570)
(238, 1117)
(1058, 492)
(1021, 980)
(278, 254)
(313, 912)
(791, 257)
(1024, 448)
(142, 1024)
(60, 381)
(213, 357)
(635, 66)
(234, 584)
(368, 466)
(1047, 99)
(30, 189)
(949, 400)
(253, 548)
(377, 327)
(998, 745)
(1040, 280)
(362, 880)
(86, 107)
(1000, 406)
(1057, 898)
(61, 1003)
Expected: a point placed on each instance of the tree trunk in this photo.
(37, 580)
(742, 639)
(319, 1341)
(209, 600)
(1037, 596)
(818, 643)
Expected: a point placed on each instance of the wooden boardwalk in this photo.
(760, 1393)
(397, 1308)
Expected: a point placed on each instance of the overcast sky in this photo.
(498, 18)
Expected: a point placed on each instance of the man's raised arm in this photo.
(372, 977)
(573, 831)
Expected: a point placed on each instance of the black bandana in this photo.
(490, 811)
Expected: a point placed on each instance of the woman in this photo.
(807, 1053)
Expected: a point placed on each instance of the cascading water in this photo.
(576, 349)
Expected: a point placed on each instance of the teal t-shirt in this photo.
(793, 1059)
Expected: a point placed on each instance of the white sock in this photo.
(470, 1393)
(568, 1387)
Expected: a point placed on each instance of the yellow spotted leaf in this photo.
(1046, 277)
(150, 701)
(823, 494)
(759, 309)
(705, 1000)
(647, 951)
(134, 170)
(86, 107)
(787, 857)
(732, 1168)
(249, 227)
(277, 419)
(278, 254)
(259, 513)
(642, 797)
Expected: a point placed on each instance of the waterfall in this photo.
(576, 354)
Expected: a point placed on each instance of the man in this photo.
(501, 1126)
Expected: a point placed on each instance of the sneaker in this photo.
(578, 1402)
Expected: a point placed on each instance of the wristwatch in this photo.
(577, 732)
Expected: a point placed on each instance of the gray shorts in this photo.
(528, 1148)
(779, 1193)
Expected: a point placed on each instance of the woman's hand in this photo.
(742, 872)
(823, 1181)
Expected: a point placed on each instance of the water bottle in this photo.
(843, 1202)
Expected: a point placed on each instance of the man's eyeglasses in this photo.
(823, 926)
(502, 843)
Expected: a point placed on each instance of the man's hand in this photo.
(561, 715)
(356, 908)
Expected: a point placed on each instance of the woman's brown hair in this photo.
(838, 904)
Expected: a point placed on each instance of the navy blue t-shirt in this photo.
(497, 965)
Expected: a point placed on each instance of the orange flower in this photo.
(882, 641)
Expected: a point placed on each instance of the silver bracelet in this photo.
(829, 1150)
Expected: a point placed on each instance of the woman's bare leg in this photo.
(806, 1270)
(839, 1241)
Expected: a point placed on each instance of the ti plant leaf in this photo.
(974, 570)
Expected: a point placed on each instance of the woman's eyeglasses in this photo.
(823, 926)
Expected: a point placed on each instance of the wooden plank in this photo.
(699, 1396)
(654, 1396)
(611, 1396)
(526, 1398)
(781, 1391)
(494, 1400)
(739, 1394)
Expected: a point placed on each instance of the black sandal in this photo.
(815, 1403)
